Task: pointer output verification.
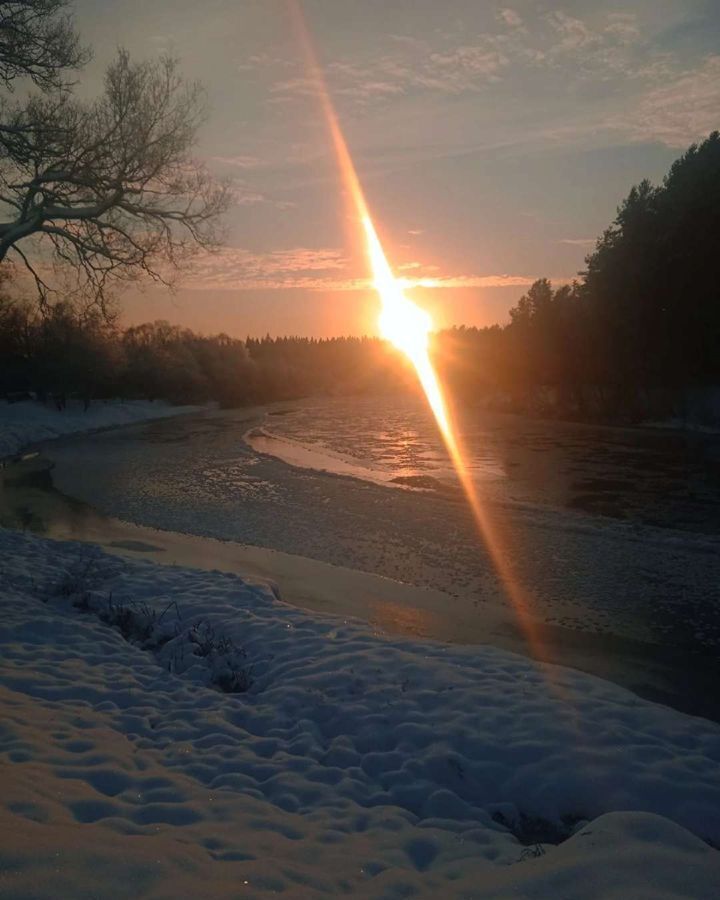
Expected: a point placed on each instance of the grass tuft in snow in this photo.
(533, 831)
(229, 672)
(233, 678)
(80, 580)
(138, 622)
(533, 852)
(151, 629)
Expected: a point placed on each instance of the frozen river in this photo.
(654, 477)
(614, 534)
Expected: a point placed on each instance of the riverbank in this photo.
(338, 545)
(196, 475)
(30, 422)
(434, 770)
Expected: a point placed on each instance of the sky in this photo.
(494, 142)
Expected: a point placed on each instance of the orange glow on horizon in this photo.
(408, 327)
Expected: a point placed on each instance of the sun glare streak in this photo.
(406, 325)
(409, 327)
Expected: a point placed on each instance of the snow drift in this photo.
(344, 763)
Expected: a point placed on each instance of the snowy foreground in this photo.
(30, 422)
(340, 762)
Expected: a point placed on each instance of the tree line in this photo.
(639, 327)
(61, 354)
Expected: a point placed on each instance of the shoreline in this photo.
(31, 444)
(391, 607)
(306, 457)
(396, 608)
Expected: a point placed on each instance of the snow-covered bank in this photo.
(30, 422)
(353, 764)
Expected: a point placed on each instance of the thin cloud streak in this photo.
(323, 269)
(239, 161)
(662, 98)
(681, 109)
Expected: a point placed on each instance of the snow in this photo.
(355, 764)
(29, 422)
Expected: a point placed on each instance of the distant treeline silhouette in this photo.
(62, 354)
(636, 334)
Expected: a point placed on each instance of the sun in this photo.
(404, 324)
(408, 327)
(401, 321)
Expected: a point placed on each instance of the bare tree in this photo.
(38, 41)
(38, 44)
(111, 187)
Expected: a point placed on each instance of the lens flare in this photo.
(405, 325)
(408, 327)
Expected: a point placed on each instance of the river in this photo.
(613, 534)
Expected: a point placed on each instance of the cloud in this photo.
(264, 60)
(239, 161)
(574, 33)
(453, 64)
(318, 269)
(290, 88)
(236, 267)
(683, 108)
(462, 69)
(624, 26)
(510, 18)
(469, 281)
(243, 195)
(578, 242)
(611, 48)
(415, 266)
(414, 65)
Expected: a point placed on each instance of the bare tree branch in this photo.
(38, 41)
(43, 289)
(111, 186)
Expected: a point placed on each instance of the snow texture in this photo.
(30, 422)
(345, 763)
